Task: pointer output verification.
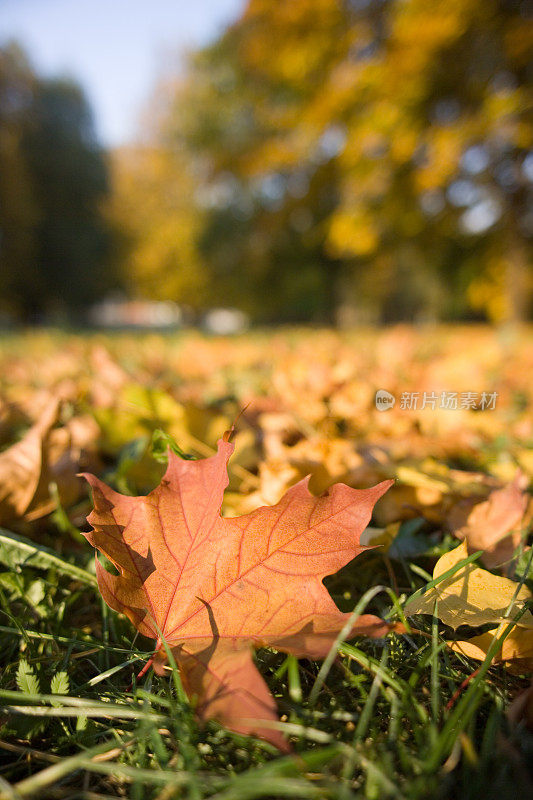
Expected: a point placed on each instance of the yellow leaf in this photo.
(413, 477)
(517, 648)
(471, 596)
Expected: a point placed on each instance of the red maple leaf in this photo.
(214, 587)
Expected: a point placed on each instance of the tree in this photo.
(153, 207)
(18, 209)
(380, 148)
(70, 177)
(55, 241)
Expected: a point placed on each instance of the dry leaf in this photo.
(43, 455)
(516, 651)
(21, 467)
(495, 524)
(109, 379)
(66, 450)
(471, 596)
(216, 587)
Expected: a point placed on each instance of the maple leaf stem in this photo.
(145, 668)
(180, 692)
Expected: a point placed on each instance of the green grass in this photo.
(382, 719)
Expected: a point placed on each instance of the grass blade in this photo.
(17, 551)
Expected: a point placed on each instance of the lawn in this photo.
(408, 715)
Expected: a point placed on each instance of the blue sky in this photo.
(115, 48)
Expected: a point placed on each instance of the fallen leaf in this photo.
(46, 454)
(420, 480)
(21, 467)
(215, 587)
(516, 651)
(471, 596)
(275, 479)
(109, 379)
(67, 449)
(494, 525)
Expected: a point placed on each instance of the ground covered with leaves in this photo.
(442, 710)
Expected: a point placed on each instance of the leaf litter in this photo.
(452, 472)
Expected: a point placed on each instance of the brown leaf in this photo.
(66, 450)
(494, 525)
(43, 455)
(21, 467)
(217, 587)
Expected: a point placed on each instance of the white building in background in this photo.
(120, 313)
(225, 321)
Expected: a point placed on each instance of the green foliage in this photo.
(59, 683)
(370, 732)
(16, 551)
(27, 680)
